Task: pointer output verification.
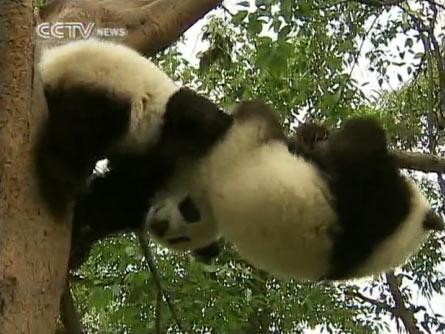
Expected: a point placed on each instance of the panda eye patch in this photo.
(189, 211)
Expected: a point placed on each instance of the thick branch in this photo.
(403, 313)
(428, 163)
(151, 24)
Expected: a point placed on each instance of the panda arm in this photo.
(309, 142)
(192, 125)
(112, 204)
(260, 112)
(83, 123)
(118, 201)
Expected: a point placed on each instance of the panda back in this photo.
(275, 208)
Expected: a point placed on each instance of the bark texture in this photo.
(33, 248)
(428, 163)
(400, 310)
(152, 25)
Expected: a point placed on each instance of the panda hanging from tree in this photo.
(333, 206)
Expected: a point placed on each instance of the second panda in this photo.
(335, 211)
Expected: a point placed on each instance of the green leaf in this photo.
(239, 17)
(334, 63)
(260, 3)
(286, 9)
(305, 8)
(284, 32)
(254, 26)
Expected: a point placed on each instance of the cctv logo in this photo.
(70, 30)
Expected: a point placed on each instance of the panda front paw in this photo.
(309, 134)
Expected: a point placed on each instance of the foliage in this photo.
(299, 56)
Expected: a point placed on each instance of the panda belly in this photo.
(275, 208)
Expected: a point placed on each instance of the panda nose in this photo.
(159, 227)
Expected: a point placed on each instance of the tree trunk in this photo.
(33, 247)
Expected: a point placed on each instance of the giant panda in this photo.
(334, 209)
(105, 100)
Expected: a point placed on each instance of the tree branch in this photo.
(400, 311)
(149, 260)
(356, 57)
(427, 163)
(151, 24)
(376, 303)
(159, 312)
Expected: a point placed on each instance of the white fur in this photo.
(273, 206)
(116, 68)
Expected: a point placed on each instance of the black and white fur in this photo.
(107, 101)
(336, 208)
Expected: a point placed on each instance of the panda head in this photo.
(176, 222)
(408, 237)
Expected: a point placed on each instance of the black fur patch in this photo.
(208, 253)
(192, 125)
(118, 201)
(372, 199)
(82, 124)
(433, 222)
(189, 212)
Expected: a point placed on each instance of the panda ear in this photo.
(208, 253)
(433, 222)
